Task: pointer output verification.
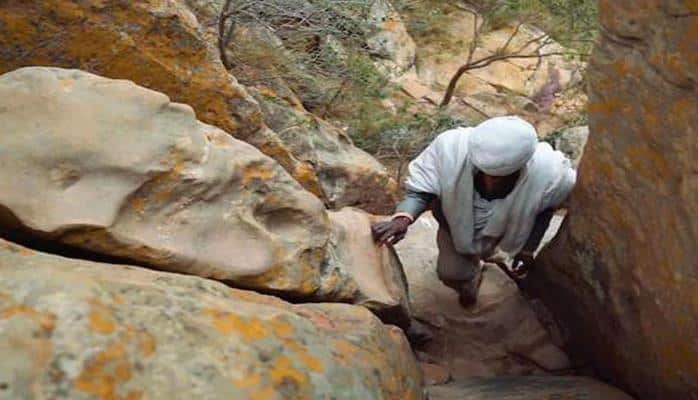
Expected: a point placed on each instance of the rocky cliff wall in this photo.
(623, 277)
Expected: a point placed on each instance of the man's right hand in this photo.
(390, 232)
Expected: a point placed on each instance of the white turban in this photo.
(503, 145)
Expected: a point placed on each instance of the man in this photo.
(492, 186)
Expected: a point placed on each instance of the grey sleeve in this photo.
(415, 203)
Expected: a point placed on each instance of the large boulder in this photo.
(388, 39)
(159, 45)
(347, 175)
(270, 71)
(501, 335)
(572, 141)
(170, 47)
(77, 329)
(375, 272)
(118, 171)
(622, 277)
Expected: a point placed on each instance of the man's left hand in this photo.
(522, 264)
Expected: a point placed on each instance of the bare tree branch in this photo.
(501, 54)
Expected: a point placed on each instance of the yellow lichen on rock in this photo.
(209, 340)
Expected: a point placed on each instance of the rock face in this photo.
(347, 175)
(527, 388)
(388, 39)
(622, 277)
(117, 332)
(572, 142)
(164, 47)
(158, 45)
(119, 171)
(500, 336)
(376, 272)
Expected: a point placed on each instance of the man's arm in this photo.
(524, 259)
(414, 204)
(410, 208)
(539, 228)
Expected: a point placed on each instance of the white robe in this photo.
(445, 169)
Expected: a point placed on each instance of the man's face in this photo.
(498, 184)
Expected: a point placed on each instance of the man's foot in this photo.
(467, 295)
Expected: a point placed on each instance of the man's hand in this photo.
(522, 264)
(390, 232)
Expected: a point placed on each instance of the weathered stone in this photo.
(572, 141)
(102, 331)
(527, 388)
(158, 45)
(622, 277)
(375, 272)
(499, 336)
(348, 176)
(345, 174)
(388, 38)
(119, 171)
(434, 374)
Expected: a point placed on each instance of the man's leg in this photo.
(460, 272)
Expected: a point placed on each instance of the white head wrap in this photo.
(501, 146)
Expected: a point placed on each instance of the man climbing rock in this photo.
(491, 186)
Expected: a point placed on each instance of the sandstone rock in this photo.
(527, 388)
(345, 174)
(119, 171)
(500, 336)
(158, 45)
(572, 141)
(434, 374)
(388, 38)
(103, 331)
(116, 169)
(622, 277)
(348, 176)
(379, 279)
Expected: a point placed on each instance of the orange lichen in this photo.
(227, 323)
(101, 321)
(390, 25)
(139, 204)
(253, 173)
(311, 362)
(344, 350)
(104, 372)
(47, 321)
(301, 352)
(262, 394)
(281, 328)
(283, 369)
(147, 344)
(134, 395)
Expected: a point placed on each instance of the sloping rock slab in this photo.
(157, 44)
(76, 329)
(116, 169)
(527, 388)
(376, 272)
(347, 175)
(119, 171)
